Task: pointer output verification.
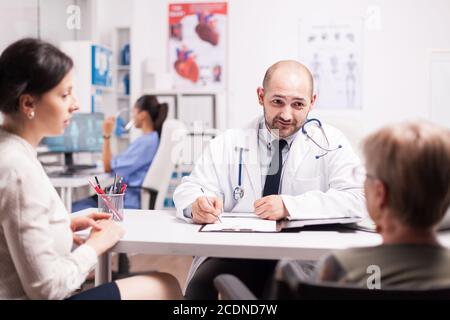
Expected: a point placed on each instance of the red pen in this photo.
(106, 200)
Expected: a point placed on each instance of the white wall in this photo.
(111, 14)
(149, 32)
(396, 67)
(18, 19)
(395, 71)
(32, 18)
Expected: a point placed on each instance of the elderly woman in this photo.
(407, 188)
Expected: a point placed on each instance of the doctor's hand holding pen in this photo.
(207, 209)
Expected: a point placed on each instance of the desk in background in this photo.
(67, 184)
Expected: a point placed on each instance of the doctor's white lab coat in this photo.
(310, 187)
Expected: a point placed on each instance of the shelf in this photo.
(102, 88)
(122, 103)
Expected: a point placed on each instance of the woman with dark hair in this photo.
(133, 164)
(36, 231)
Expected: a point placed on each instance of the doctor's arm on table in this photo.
(197, 197)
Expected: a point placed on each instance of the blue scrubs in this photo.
(133, 165)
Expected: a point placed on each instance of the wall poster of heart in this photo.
(198, 45)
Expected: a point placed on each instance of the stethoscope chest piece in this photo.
(238, 193)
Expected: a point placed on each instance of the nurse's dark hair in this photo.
(30, 66)
(157, 111)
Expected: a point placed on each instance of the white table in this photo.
(67, 184)
(160, 232)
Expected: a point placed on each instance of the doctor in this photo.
(279, 166)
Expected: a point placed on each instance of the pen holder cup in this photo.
(113, 204)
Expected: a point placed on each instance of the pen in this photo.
(100, 192)
(98, 183)
(114, 184)
(209, 202)
(119, 185)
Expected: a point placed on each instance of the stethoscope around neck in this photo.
(238, 191)
(319, 124)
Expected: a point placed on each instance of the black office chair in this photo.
(292, 285)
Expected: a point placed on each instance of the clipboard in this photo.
(250, 222)
(288, 224)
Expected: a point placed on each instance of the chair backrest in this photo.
(231, 288)
(292, 286)
(163, 164)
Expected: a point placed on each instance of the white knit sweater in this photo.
(36, 261)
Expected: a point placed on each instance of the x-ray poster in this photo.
(333, 53)
(198, 44)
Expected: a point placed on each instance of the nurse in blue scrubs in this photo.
(148, 115)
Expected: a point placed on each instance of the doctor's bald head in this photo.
(285, 67)
(287, 96)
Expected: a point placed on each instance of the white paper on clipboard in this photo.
(234, 223)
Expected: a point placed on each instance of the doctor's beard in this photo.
(281, 128)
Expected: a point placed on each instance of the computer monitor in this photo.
(84, 134)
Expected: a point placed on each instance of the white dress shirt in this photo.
(265, 140)
(36, 257)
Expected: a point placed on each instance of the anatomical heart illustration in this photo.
(197, 45)
(186, 66)
(206, 28)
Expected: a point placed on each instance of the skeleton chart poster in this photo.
(198, 44)
(333, 53)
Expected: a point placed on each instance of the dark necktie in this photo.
(272, 184)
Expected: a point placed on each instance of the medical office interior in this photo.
(373, 62)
